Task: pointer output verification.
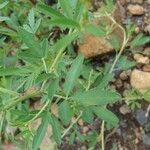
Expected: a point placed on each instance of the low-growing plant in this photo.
(35, 67)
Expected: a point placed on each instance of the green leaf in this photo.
(47, 10)
(15, 71)
(52, 88)
(124, 63)
(109, 6)
(106, 115)
(114, 41)
(147, 95)
(45, 47)
(43, 77)
(31, 42)
(79, 10)
(3, 4)
(102, 81)
(65, 5)
(81, 136)
(56, 129)
(65, 41)
(139, 40)
(64, 22)
(65, 112)
(95, 30)
(88, 115)
(40, 134)
(72, 138)
(96, 97)
(73, 74)
(31, 18)
(8, 32)
(29, 56)
(2, 18)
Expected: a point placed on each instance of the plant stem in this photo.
(37, 115)
(71, 125)
(59, 96)
(125, 40)
(22, 98)
(44, 64)
(102, 135)
(56, 60)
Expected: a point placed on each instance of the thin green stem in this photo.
(125, 40)
(102, 135)
(22, 98)
(59, 96)
(89, 80)
(39, 113)
(56, 60)
(6, 91)
(44, 64)
(72, 124)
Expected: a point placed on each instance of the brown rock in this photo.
(146, 68)
(136, 9)
(137, 30)
(123, 75)
(119, 83)
(141, 59)
(125, 109)
(80, 122)
(85, 129)
(140, 80)
(126, 85)
(129, 72)
(147, 51)
(147, 29)
(92, 46)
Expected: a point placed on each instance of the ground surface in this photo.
(133, 132)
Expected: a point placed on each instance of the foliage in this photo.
(34, 67)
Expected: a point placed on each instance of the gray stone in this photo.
(146, 139)
(140, 116)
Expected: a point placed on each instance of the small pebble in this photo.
(83, 148)
(140, 117)
(123, 75)
(124, 124)
(146, 68)
(85, 129)
(147, 29)
(125, 109)
(147, 51)
(136, 141)
(146, 139)
(137, 30)
(140, 80)
(141, 59)
(80, 122)
(127, 85)
(136, 9)
(119, 83)
(129, 72)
